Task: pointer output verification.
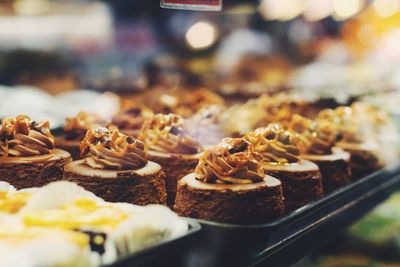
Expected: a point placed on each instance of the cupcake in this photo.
(357, 138)
(75, 129)
(301, 179)
(229, 186)
(28, 157)
(131, 120)
(317, 143)
(171, 146)
(114, 166)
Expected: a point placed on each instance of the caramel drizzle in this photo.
(165, 133)
(76, 127)
(275, 144)
(22, 137)
(105, 149)
(315, 138)
(233, 161)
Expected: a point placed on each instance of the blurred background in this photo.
(58, 57)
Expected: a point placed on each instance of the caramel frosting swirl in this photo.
(165, 133)
(132, 118)
(23, 137)
(105, 149)
(76, 127)
(275, 144)
(233, 161)
(315, 138)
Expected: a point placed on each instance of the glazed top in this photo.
(132, 118)
(315, 138)
(23, 137)
(165, 133)
(275, 144)
(233, 161)
(76, 127)
(105, 149)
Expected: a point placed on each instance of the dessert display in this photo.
(357, 138)
(301, 179)
(61, 224)
(75, 129)
(229, 186)
(130, 121)
(28, 156)
(317, 143)
(115, 167)
(171, 146)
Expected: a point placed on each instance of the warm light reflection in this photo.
(386, 8)
(367, 35)
(201, 35)
(281, 10)
(317, 9)
(344, 9)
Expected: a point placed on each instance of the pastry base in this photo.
(141, 187)
(230, 203)
(301, 182)
(72, 146)
(175, 166)
(364, 158)
(335, 168)
(24, 172)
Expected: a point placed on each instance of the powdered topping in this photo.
(165, 133)
(76, 127)
(233, 161)
(315, 138)
(23, 137)
(105, 149)
(132, 118)
(275, 144)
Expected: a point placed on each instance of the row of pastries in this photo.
(245, 164)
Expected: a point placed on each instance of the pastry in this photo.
(356, 138)
(230, 186)
(171, 146)
(317, 143)
(130, 121)
(75, 129)
(61, 224)
(301, 179)
(28, 157)
(114, 166)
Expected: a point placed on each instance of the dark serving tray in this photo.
(170, 251)
(290, 238)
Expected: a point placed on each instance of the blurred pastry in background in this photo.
(206, 125)
(183, 102)
(358, 137)
(75, 129)
(28, 157)
(230, 186)
(301, 179)
(130, 121)
(171, 146)
(115, 167)
(316, 143)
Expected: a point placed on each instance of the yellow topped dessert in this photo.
(76, 127)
